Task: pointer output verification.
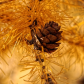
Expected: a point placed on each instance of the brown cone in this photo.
(48, 36)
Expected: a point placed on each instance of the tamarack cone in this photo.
(47, 36)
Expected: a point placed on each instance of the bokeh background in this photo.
(70, 53)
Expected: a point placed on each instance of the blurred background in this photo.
(70, 53)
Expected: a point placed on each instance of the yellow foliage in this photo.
(15, 18)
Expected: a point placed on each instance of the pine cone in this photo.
(46, 37)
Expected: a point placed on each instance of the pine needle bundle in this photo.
(17, 20)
